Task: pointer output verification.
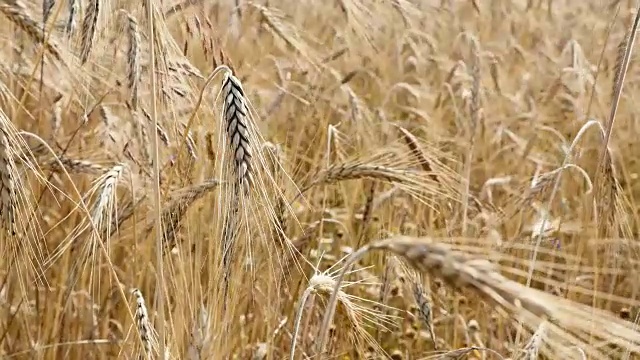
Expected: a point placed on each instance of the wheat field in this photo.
(343, 179)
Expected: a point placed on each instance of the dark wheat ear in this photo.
(89, 27)
(7, 183)
(47, 6)
(235, 114)
(70, 25)
(133, 58)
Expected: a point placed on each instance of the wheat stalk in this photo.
(568, 321)
(474, 111)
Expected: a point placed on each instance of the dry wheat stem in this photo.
(229, 235)
(474, 111)
(160, 281)
(556, 187)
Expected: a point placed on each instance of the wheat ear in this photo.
(73, 8)
(89, 25)
(47, 6)
(8, 191)
(15, 12)
(133, 59)
(235, 115)
(143, 324)
(174, 211)
(324, 283)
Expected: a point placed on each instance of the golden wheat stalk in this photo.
(569, 322)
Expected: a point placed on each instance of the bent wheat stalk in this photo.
(568, 322)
